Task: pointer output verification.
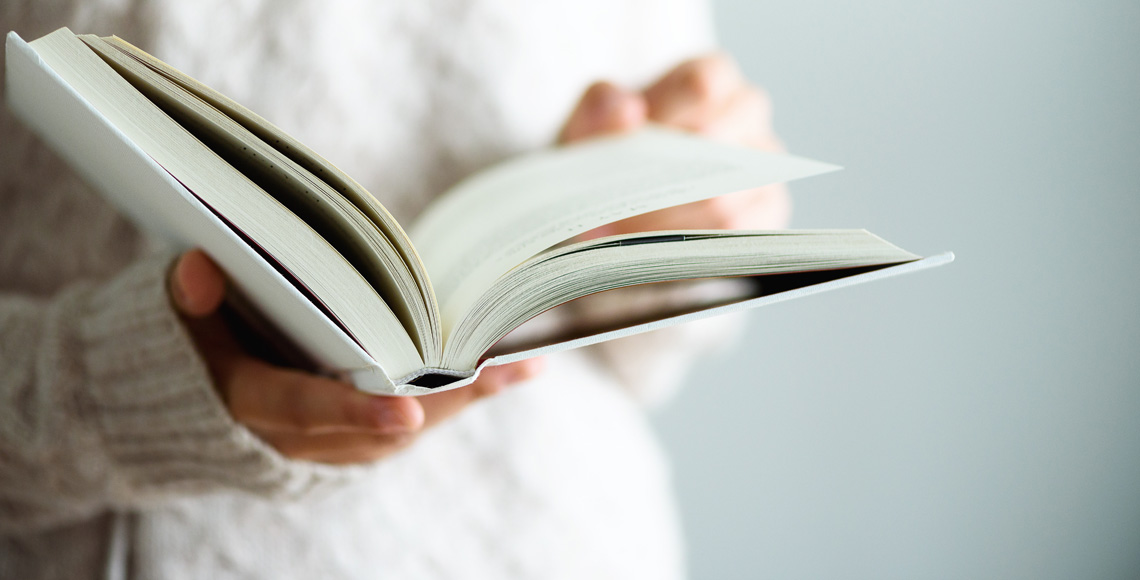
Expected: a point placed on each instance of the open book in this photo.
(323, 262)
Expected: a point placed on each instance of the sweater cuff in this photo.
(153, 401)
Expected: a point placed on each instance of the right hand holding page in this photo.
(707, 96)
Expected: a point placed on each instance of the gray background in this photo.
(980, 420)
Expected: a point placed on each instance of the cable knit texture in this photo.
(116, 456)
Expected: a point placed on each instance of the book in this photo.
(318, 260)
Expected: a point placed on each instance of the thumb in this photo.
(197, 285)
(605, 108)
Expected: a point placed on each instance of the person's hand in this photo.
(708, 96)
(302, 415)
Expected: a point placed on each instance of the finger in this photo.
(741, 210)
(763, 208)
(336, 448)
(745, 119)
(492, 380)
(277, 399)
(197, 285)
(604, 109)
(690, 96)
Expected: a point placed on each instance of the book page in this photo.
(331, 214)
(497, 219)
(571, 272)
(106, 99)
(422, 321)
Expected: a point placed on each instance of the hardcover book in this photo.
(318, 261)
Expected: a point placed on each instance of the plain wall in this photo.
(979, 420)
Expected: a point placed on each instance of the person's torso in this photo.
(560, 480)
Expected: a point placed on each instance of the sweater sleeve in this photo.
(104, 403)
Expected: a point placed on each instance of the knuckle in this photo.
(581, 120)
(298, 417)
(596, 90)
(707, 77)
(599, 96)
(699, 80)
(295, 410)
(354, 413)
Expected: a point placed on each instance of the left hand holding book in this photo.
(303, 415)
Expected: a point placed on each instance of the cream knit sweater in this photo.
(116, 457)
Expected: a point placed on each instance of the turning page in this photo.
(499, 218)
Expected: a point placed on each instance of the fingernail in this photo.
(392, 419)
(176, 292)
